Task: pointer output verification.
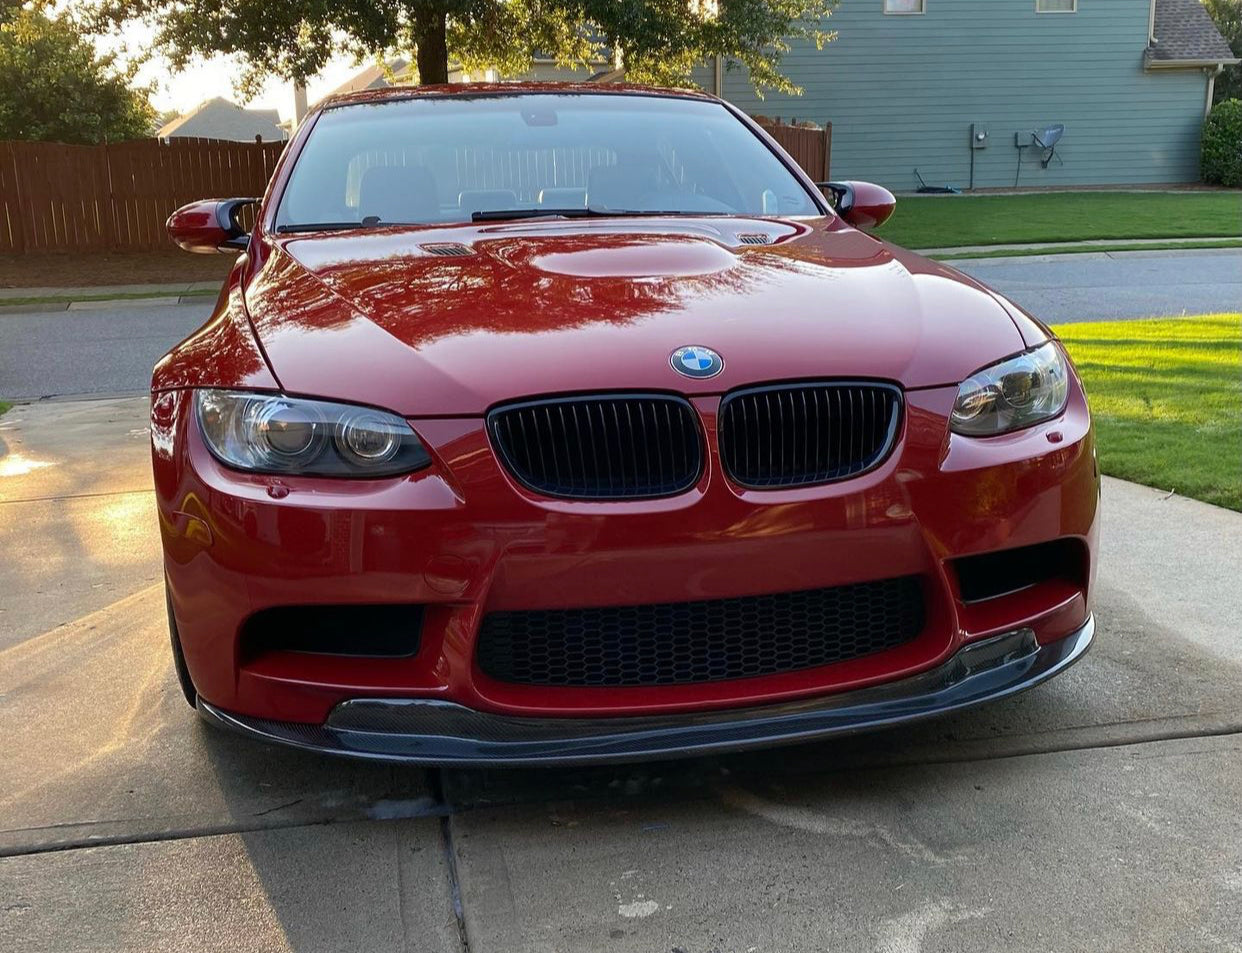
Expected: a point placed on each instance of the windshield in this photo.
(459, 158)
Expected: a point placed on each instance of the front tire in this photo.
(183, 673)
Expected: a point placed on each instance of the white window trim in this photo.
(911, 13)
(1074, 9)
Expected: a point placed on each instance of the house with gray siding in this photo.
(910, 84)
(220, 119)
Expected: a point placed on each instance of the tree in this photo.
(162, 119)
(659, 41)
(55, 86)
(1227, 15)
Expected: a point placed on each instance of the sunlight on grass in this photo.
(1166, 395)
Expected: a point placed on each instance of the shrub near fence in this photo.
(116, 197)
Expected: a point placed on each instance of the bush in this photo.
(1222, 144)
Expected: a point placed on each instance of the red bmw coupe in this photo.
(571, 423)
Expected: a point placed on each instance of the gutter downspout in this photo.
(1211, 87)
(1151, 23)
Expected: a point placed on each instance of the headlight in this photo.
(1015, 393)
(268, 433)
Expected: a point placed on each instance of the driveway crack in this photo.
(435, 781)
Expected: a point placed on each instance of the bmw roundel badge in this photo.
(696, 361)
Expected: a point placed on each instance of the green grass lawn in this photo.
(942, 221)
(1166, 395)
(4, 407)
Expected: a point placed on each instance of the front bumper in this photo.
(461, 540)
(435, 732)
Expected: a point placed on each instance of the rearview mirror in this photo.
(210, 226)
(863, 204)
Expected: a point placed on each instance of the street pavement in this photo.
(1108, 286)
(110, 351)
(1102, 811)
(93, 351)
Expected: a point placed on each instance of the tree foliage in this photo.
(55, 86)
(1227, 15)
(658, 41)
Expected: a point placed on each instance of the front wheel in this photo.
(183, 673)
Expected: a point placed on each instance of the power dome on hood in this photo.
(371, 318)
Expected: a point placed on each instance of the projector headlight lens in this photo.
(270, 433)
(1013, 394)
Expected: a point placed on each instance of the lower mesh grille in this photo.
(677, 643)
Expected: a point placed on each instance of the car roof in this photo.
(388, 93)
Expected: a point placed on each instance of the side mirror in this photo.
(210, 226)
(862, 204)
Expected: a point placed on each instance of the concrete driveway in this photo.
(1102, 811)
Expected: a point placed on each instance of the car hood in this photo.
(449, 321)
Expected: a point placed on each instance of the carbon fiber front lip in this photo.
(419, 731)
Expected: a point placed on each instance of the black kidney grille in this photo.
(798, 434)
(602, 447)
(685, 642)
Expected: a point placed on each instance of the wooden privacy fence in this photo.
(116, 197)
(807, 144)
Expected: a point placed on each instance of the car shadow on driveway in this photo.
(854, 844)
(946, 827)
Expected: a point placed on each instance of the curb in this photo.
(103, 304)
(1085, 245)
(1086, 254)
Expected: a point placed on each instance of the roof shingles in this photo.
(220, 119)
(1184, 33)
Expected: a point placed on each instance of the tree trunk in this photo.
(429, 35)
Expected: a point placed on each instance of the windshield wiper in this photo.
(502, 214)
(505, 214)
(320, 226)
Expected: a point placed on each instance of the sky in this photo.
(208, 78)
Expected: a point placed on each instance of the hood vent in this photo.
(447, 249)
(754, 238)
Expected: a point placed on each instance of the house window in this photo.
(904, 6)
(1056, 6)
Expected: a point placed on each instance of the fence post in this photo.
(12, 200)
(827, 152)
(114, 229)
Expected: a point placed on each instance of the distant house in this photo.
(910, 84)
(399, 71)
(542, 70)
(220, 119)
(376, 76)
